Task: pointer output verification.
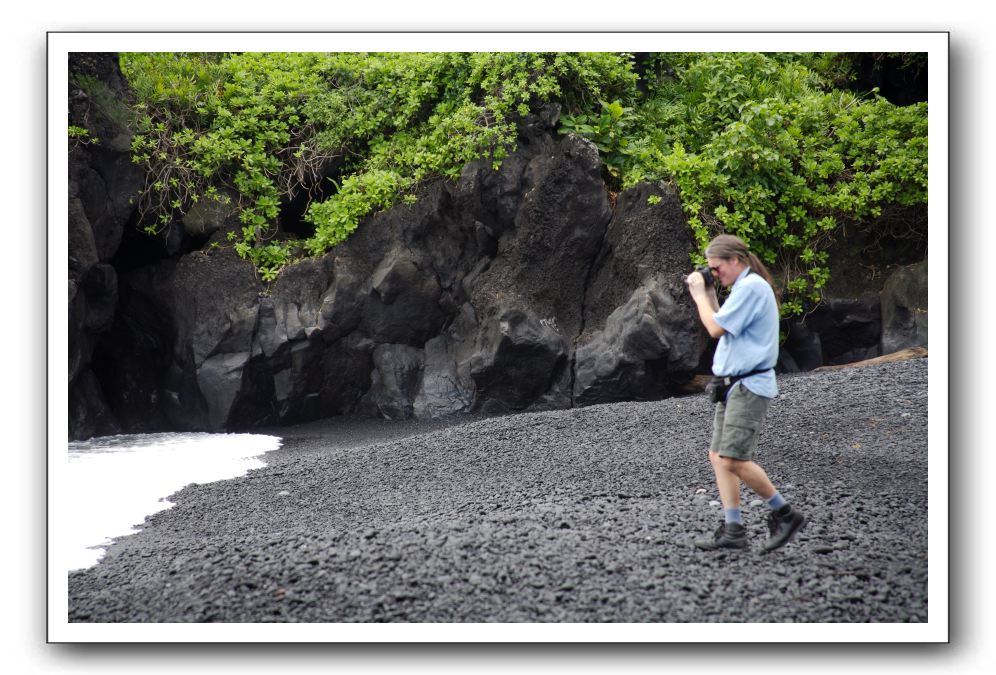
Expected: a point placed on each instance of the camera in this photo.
(706, 274)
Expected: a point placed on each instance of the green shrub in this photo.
(759, 145)
(80, 136)
(266, 124)
(609, 130)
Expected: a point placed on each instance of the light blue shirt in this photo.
(750, 318)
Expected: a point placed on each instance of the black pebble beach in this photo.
(582, 515)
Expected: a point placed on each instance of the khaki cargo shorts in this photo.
(738, 423)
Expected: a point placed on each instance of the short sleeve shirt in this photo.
(750, 318)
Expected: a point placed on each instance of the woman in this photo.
(747, 328)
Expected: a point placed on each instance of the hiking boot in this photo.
(783, 524)
(729, 535)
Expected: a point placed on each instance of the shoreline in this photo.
(579, 515)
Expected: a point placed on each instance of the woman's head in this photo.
(728, 255)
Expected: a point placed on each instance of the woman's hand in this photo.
(706, 302)
(696, 285)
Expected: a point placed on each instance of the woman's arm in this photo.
(706, 302)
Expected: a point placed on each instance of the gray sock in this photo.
(775, 501)
(733, 516)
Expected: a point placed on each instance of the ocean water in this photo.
(114, 482)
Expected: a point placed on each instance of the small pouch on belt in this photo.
(717, 388)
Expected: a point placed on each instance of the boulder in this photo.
(209, 215)
(646, 349)
(394, 382)
(447, 385)
(802, 350)
(848, 329)
(904, 309)
(519, 358)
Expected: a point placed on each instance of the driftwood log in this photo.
(901, 355)
(699, 382)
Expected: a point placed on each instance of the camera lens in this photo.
(706, 274)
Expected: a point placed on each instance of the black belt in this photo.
(730, 380)
(720, 384)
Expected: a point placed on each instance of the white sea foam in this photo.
(114, 482)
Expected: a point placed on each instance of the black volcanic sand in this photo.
(584, 515)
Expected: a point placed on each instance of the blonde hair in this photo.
(730, 246)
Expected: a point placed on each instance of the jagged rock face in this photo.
(641, 335)
(512, 289)
(530, 299)
(801, 350)
(394, 382)
(643, 241)
(102, 179)
(476, 297)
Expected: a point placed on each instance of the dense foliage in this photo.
(760, 145)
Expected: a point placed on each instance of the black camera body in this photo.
(706, 274)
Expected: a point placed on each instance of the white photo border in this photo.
(935, 44)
